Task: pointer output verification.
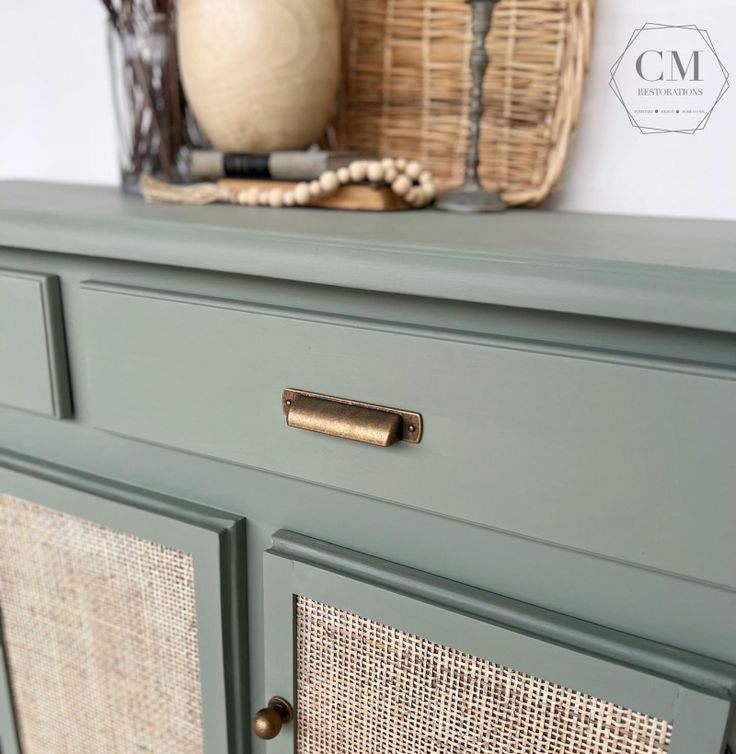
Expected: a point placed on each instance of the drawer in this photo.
(633, 462)
(33, 372)
(371, 656)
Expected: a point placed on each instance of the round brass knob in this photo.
(267, 722)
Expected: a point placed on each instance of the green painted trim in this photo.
(661, 660)
(640, 361)
(131, 496)
(670, 271)
(58, 400)
(216, 541)
(698, 718)
(280, 650)
(694, 692)
(56, 346)
(9, 739)
(523, 327)
(234, 586)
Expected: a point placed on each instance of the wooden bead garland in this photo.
(406, 178)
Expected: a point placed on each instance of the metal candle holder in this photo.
(471, 196)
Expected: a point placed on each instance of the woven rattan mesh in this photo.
(406, 87)
(101, 637)
(366, 688)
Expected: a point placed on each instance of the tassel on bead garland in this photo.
(155, 191)
(406, 178)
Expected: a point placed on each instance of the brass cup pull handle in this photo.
(351, 420)
(267, 722)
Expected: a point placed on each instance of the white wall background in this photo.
(614, 168)
(56, 119)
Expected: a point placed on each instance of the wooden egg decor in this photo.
(260, 75)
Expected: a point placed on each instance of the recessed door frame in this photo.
(692, 692)
(216, 542)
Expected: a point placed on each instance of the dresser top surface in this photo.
(670, 271)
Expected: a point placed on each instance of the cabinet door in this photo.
(122, 619)
(376, 658)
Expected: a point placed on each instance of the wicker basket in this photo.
(406, 87)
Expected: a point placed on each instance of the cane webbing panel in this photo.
(366, 688)
(101, 637)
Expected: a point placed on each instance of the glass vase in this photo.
(154, 126)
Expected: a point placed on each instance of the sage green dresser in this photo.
(512, 530)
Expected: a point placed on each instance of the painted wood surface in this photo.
(9, 739)
(216, 542)
(696, 696)
(666, 271)
(597, 588)
(578, 548)
(566, 449)
(33, 365)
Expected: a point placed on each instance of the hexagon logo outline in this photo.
(650, 26)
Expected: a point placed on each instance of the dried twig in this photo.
(156, 108)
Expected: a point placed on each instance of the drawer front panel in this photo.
(33, 371)
(630, 462)
(375, 667)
